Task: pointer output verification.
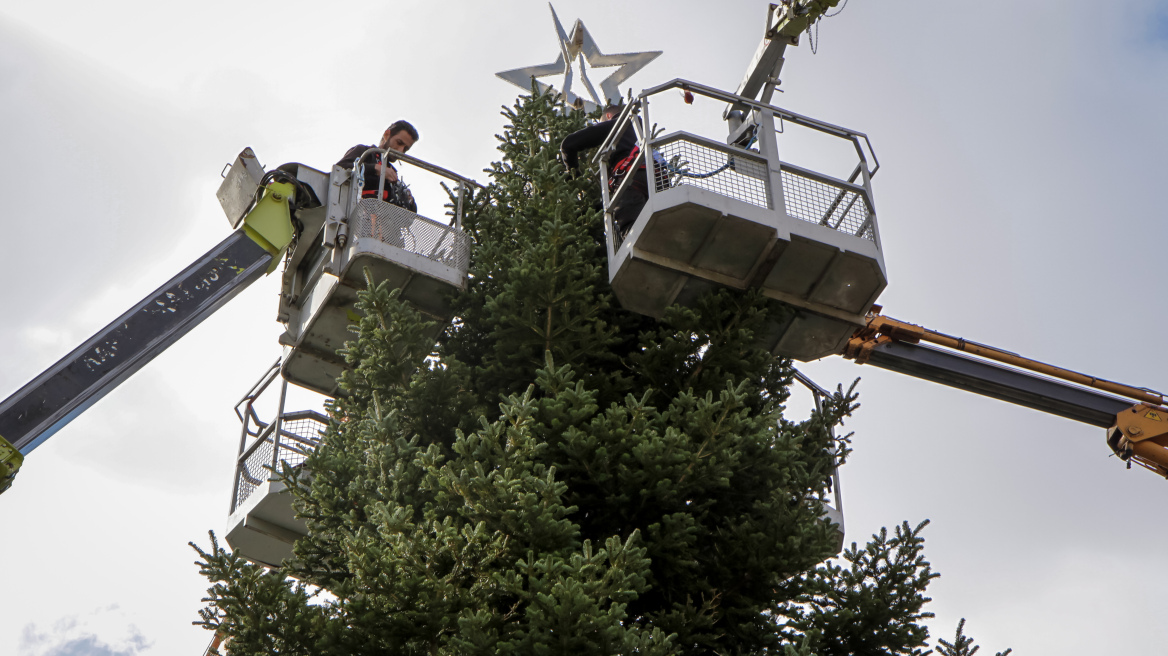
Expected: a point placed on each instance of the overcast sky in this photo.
(1020, 204)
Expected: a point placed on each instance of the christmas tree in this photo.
(558, 475)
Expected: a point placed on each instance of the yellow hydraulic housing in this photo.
(269, 223)
(1141, 435)
(10, 461)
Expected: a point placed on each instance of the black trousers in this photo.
(629, 206)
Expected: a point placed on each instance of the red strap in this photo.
(622, 167)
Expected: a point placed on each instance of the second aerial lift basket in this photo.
(733, 214)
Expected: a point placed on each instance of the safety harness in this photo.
(621, 169)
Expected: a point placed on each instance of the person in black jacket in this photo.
(400, 136)
(628, 206)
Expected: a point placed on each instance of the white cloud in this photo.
(76, 636)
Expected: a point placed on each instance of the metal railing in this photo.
(290, 437)
(681, 158)
(399, 227)
(838, 204)
(819, 394)
(748, 169)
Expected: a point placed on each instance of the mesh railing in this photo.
(838, 208)
(253, 471)
(402, 228)
(684, 162)
(299, 434)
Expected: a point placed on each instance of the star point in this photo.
(580, 46)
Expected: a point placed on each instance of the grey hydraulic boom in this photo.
(54, 398)
(57, 396)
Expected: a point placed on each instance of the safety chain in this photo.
(813, 42)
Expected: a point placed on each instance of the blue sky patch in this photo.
(1158, 26)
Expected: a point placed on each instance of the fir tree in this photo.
(873, 606)
(558, 475)
(962, 644)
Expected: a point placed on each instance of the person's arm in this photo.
(590, 137)
(373, 172)
(352, 154)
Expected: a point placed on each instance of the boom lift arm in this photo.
(1136, 432)
(785, 21)
(81, 378)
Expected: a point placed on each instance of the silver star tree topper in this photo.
(576, 48)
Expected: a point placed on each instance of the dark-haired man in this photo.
(399, 136)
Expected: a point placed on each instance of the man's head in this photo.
(613, 110)
(400, 137)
